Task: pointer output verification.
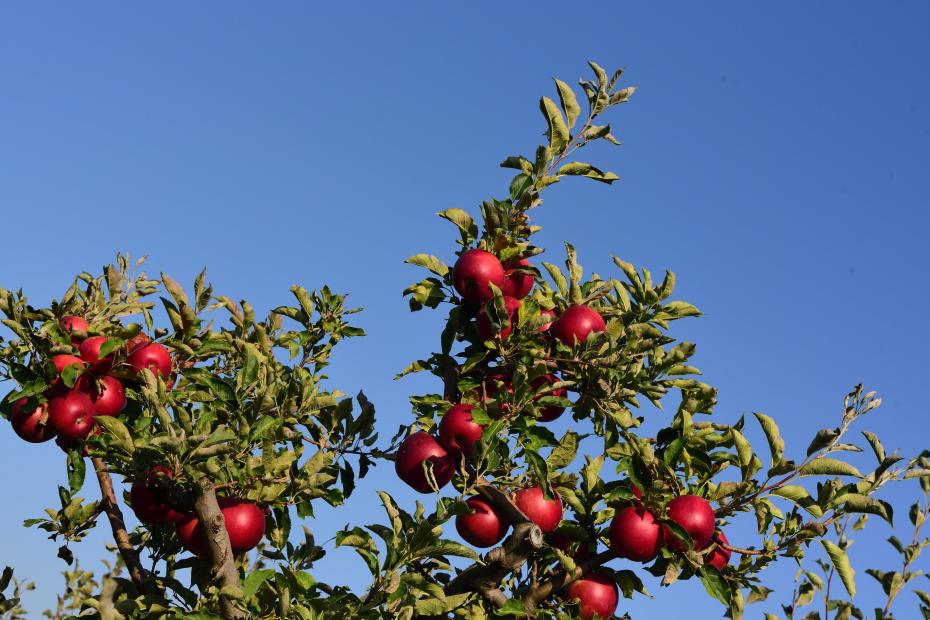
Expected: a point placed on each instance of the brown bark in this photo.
(485, 579)
(223, 568)
(130, 556)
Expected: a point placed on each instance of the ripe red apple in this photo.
(145, 501)
(485, 527)
(90, 352)
(64, 360)
(31, 424)
(153, 356)
(696, 516)
(71, 414)
(472, 273)
(719, 557)
(245, 525)
(549, 412)
(576, 322)
(139, 340)
(596, 593)
(73, 323)
(483, 322)
(457, 431)
(108, 395)
(413, 452)
(517, 284)
(635, 535)
(546, 513)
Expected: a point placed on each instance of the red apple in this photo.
(516, 283)
(90, 352)
(31, 424)
(546, 513)
(719, 557)
(409, 461)
(635, 535)
(73, 323)
(457, 431)
(484, 527)
(474, 271)
(245, 525)
(108, 395)
(483, 322)
(153, 356)
(64, 360)
(696, 516)
(549, 412)
(145, 501)
(71, 414)
(576, 323)
(596, 593)
(139, 340)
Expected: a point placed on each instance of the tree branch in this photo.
(542, 591)
(139, 576)
(223, 570)
(485, 579)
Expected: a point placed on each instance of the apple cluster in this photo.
(70, 412)
(244, 520)
(634, 534)
(70, 415)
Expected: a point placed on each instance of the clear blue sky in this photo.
(776, 158)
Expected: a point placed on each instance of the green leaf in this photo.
(115, 427)
(512, 607)
(773, 436)
(822, 439)
(463, 221)
(825, 466)
(254, 581)
(557, 278)
(799, 496)
(558, 132)
(429, 262)
(743, 450)
(855, 502)
(629, 583)
(564, 453)
(569, 102)
(76, 469)
(715, 584)
(841, 563)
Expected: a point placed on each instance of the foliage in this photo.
(245, 413)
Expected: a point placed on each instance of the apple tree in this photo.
(227, 435)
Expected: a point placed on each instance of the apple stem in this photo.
(109, 505)
(223, 570)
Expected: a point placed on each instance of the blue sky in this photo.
(776, 158)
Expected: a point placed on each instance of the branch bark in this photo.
(139, 575)
(223, 570)
(485, 579)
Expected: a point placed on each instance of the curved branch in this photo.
(485, 579)
(139, 576)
